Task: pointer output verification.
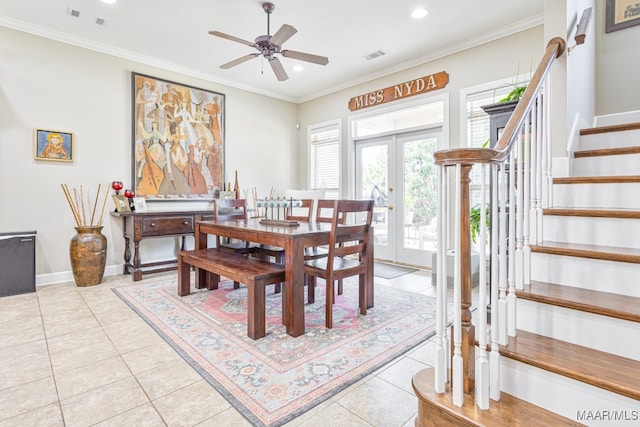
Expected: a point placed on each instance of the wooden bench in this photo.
(252, 272)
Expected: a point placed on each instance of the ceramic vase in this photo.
(88, 252)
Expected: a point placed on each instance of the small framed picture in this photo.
(53, 145)
(121, 202)
(140, 204)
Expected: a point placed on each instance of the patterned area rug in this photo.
(275, 379)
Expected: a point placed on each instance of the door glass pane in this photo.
(374, 184)
(419, 194)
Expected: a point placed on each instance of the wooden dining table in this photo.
(294, 240)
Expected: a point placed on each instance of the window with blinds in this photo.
(324, 159)
(478, 130)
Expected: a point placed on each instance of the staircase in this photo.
(575, 359)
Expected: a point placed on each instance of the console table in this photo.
(142, 225)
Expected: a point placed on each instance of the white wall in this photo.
(51, 85)
(581, 69)
(617, 67)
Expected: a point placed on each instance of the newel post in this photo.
(468, 329)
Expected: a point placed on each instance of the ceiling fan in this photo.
(270, 45)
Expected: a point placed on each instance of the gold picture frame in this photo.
(53, 145)
(622, 14)
(121, 202)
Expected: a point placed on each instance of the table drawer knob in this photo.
(153, 224)
(186, 223)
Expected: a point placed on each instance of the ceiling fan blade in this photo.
(232, 38)
(278, 69)
(316, 59)
(239, 61)
(283, 34)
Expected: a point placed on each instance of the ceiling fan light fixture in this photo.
(297, 68)
(419, 13)
(269, 45)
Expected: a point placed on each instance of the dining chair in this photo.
(347, 253)
(230, 210)
(302, 213)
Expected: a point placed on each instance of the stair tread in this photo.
(610, 253)
(617, 151)
(594, 212)
(509, 411)
(600, 369)
(603, 303)
(610, 128)
(612, 179)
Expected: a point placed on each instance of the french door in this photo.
(397, 171)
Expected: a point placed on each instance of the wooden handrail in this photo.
(501, 151)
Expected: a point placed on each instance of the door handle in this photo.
(390, 189)
(390, 207)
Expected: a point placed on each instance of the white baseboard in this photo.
(67, 276)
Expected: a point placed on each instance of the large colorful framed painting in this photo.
(178, 140)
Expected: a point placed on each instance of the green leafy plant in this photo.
(474, 221)
(515, 94)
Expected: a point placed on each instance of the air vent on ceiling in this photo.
(85, 16)
(374, 55)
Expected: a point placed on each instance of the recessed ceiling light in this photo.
(419, 13)
(298, 68)
(109, 1)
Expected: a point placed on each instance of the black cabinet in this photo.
(17, 263)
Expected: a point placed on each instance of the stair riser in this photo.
(610, 196)
(562, 395)
(617, 119)
(592, 231)
(628, 164)
(598, 275)
(588, 330)
(627, 138)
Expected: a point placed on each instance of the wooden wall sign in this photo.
(399, 91)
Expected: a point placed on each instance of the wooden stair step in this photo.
(438, 409)
(615, 179)
(594, 212)
(604, 370)
(608, 253)
(611, 128)
(619, 151)
(596, 302)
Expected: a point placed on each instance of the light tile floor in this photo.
(74, 356)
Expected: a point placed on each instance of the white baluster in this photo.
(522, 203)
(512, 253)
(502, 281)
(482, 364)
(446, 342)
(457, 363)
(440, 362)
(526, 250)
(539, 145)
(494, 357)
(533, 182)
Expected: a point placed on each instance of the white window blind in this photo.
(478, 130)
(324, 159)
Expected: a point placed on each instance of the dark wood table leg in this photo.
(293, 311)
(369, 276)
(200, 243)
